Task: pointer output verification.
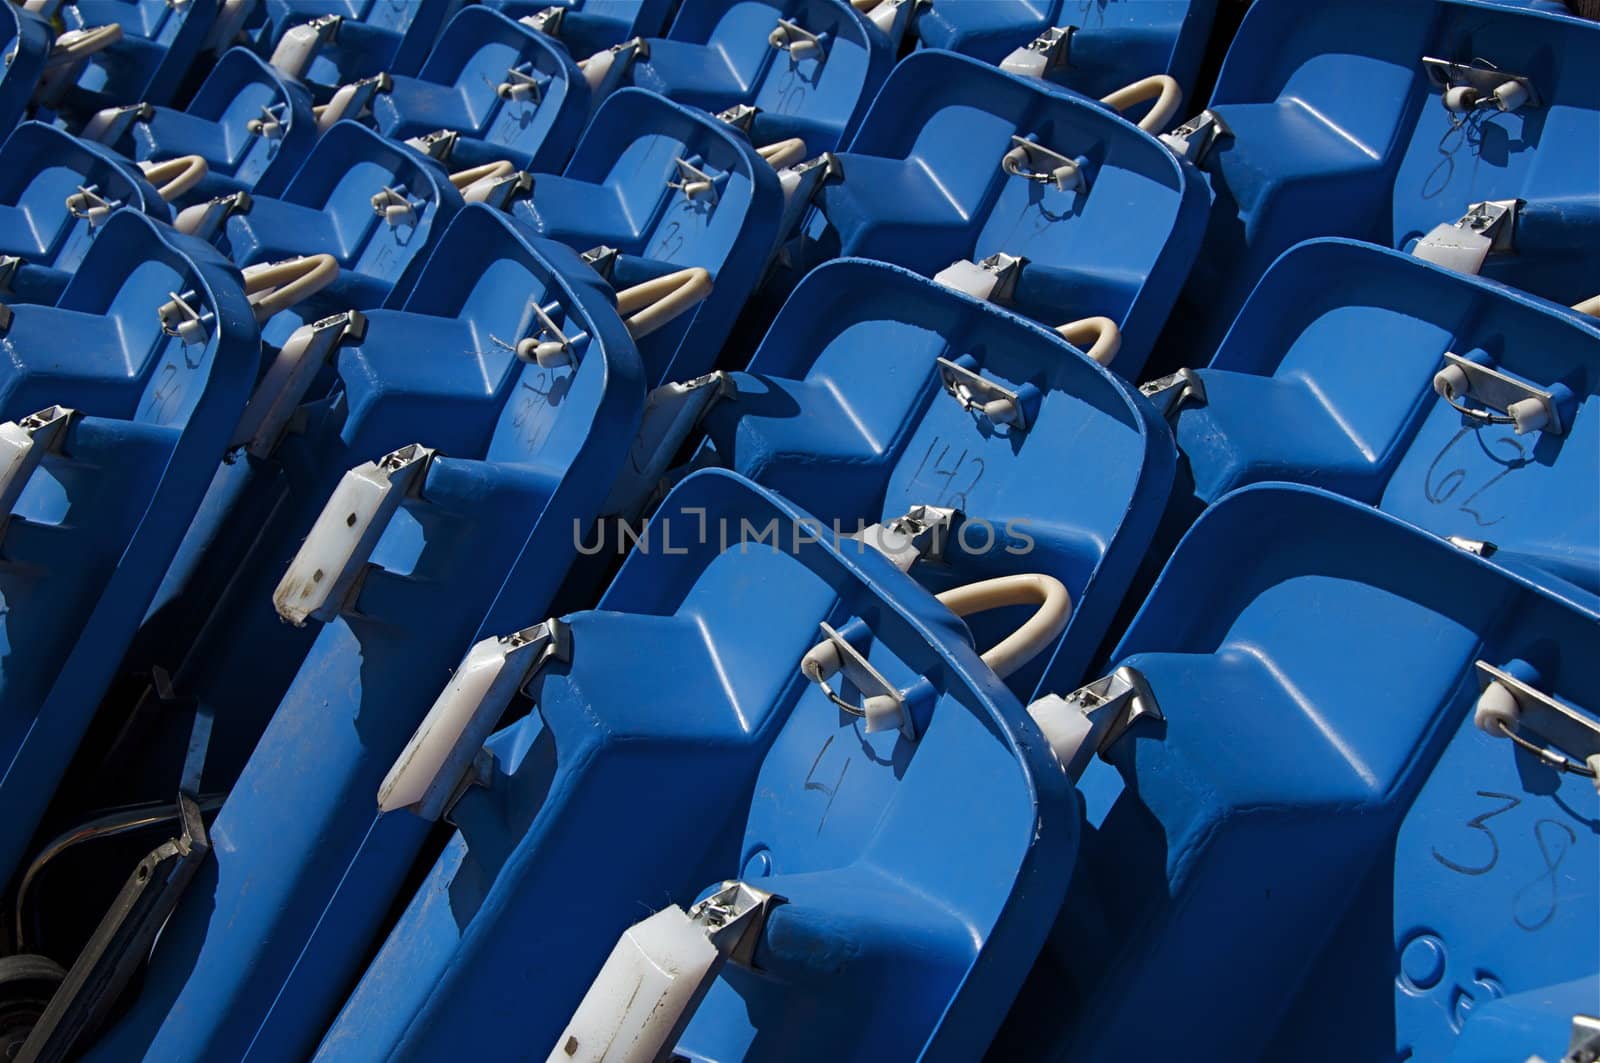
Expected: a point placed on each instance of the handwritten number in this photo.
(1478, 823)
(1548, 880)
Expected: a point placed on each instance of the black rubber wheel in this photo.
(27, 983)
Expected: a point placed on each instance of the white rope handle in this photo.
(174, 177)
(784, 152)
(491, 171)
(1590, 306)
(1098, 337)
(1165, 90)
(276, 286)
(1041, 629)
(646, 307)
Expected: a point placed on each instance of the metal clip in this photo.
(601, 259)
(550, 346)
(1174, 391)
(993, 280)
(330, 563)
(741, 116)
(284, 386)
(23, 446)
(1475, 547)
(1035, 162)
(1511, 708)
(436, 766)
(438, 145)
(521, 85)
(1519, 404)
(922, 533)
(180, 319)
(973, 391)
(1047, 52)
(693, 181)
(884, 706)
(1469, 87)
(89, 205)
(546, 20)
(1090, 719)
(1463, 245)
(1194, 139)
(1583, 1044)
(791, 37)
(9, 264)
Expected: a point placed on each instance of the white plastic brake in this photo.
(332, 560)
(638, 1006)
(283, 388)
(671, 414)
(108, 124)
(23, 446)
(1091, 718)
(437, 764)
(992, 280)
(294, 53)
(1049, 51)
(1465, 244)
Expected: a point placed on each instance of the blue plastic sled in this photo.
(585, 27)
(117, 402)
(599, 808)
(157, 43)
(1333, 807)
(329, 43)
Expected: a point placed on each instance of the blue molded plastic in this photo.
(617, 191)
(1314, 659)
(269, 936)
(843, 412)
(458, 89)
(26, 38)
(377, 36)
(588, 26)
(604, 808)
(717, 55)
(1336, 131)
(160, 41)
(923, 187)
(1332, 385)
(1114, 42)
(241, 89)
(45, 218)
(97, 523)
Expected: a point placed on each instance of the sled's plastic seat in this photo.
(755, 775)
(589, 26)
(116, 403)
(253, 126)
(1339, 386)
(376, 206)
(1330, 680)
(667, 187)
(26, 38)
(1111, 44)
(957, 162)
(509, 91)
(328, 43)
(56, 194)
(1380, 121)
(158, 43)
(276, 926)
(809, 66)
(865, 401)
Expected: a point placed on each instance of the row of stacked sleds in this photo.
(799, 529)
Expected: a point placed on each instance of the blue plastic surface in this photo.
(923, 187)
(223, 125)
(267, 939)
(1114, 42)
(717, 55)
(1314, 660)
(844, 413)
(96, 524)
(376, 36)
(55, 194)
(1333, 386)
(618, 191)
(588, 26)
(26, 39)
(604, 807)
(159, 42)
(459, 88)
(1337, 131)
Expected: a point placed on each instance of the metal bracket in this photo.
(108, 125)
(1194, 139)
(733, 918)
(883, 706)
(1467, 86)
(1562, 729)
(120, 943)
(295, 51)
(1174, 391)
(1035, 162)
(1463, 245)
(671, 414)
(215, 214)
(501, 192)
(741, 116)
(693, 181)
(438, 764)
(87, 204)
(800, 183)
(1475, 547)
(1583, 1045)
(1519, 404)
(921, 534)
(396, 206)
(789, 36)
(270, 124)
(180, 319)
(330, 563)
(602, 259)
(547, 20)
(438, 145)
(9, 264)
(973, 391)
(23, 446)
(1048, 52)
(1090, 719)
(521, 85)
(284, 386)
